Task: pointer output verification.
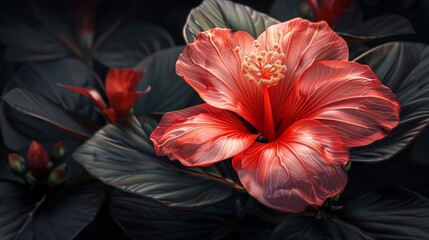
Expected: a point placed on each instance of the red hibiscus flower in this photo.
(121, 92)
(285, 106)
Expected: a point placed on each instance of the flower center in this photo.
(263, 67)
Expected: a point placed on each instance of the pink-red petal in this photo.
(348, 98)
(212, 67)
(301, 168)
(201, 135)
(90, 93)
(303, 43)
(121, 81)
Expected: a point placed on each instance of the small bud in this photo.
(57, 175)
(17, 164)
(38, 161)
(58, 150)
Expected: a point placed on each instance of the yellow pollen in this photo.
(262, 67)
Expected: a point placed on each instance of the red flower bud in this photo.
(58, 150)
(17, 163)
(57, 175)
(38, 161)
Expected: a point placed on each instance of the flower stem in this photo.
(268, 131)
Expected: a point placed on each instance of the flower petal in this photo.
(88, 92)
(121, 81)
(212, 67)
(302, 168)
(303, 43)
(201, 135)
(348, 98)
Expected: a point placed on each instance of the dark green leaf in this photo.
(225, 14)
(65, 212)
(404, 68)
(379, 27)
(394, 214)
(17, 204)
(37, 106)
(168, 91)
(31, 31)
(299, 227)
(285, 10)
(131, 43)
(42, 78)
(122, 155)
(144, 218)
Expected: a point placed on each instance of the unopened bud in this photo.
(38, 162)
(57, 175)
(17, 163)
(58, 151)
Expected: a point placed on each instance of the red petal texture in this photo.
(301, 168)
(38, 160)
(213, 69)
(121, 91)
(303, 42)
(201, 135)
(348, 98)
(90, 93)
(121, 81)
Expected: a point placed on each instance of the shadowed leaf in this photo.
(168, 91)
(225, 14)
(122, 155)
(404, 68)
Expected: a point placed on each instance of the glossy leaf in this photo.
(65, 212)
(17, 205)
(42, 78)
(390, 214)
(309, 227)
(284, 10)
(39, 107)
(388, 25)
(122, 155)
(225, 14)
(168, 91)
(404, 68)
(130, 44)
(144, 218)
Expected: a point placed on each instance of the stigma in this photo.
(263, 67)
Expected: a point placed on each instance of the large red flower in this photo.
(286, 106)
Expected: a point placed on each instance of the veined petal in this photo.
(121, 81)
(348, 98)
(201, 135)
(212, 67)
(301, 168)
(303, 43)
